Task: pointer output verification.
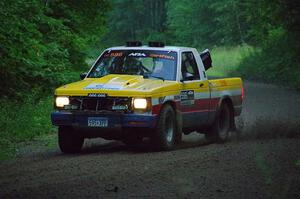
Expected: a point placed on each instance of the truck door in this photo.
(194, 94)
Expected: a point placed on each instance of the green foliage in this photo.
(129, 20)
(206, 23)
(41, 42)
(277, 33)
(277, 62)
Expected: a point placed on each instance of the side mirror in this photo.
(206, 59)
(83, 75)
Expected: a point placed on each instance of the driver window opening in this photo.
(189, 68)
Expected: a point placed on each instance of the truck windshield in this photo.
(148, 63)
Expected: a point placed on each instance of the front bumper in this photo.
(116, 121)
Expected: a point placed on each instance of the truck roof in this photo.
(165, 48)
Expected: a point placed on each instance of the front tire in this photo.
(69, 142)
(166, 136)
(219, 131)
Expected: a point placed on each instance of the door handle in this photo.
(201, 85)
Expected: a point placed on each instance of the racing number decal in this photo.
(187, 97)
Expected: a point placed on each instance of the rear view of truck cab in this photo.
(158, 92)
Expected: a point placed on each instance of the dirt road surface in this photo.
(261, 160)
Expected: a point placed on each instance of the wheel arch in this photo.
(171, 103)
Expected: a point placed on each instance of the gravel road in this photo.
(261, 160)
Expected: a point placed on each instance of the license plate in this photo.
(97, 122)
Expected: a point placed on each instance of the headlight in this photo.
(61, 101)
(140, 103)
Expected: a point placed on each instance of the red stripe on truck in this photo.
(200, 105)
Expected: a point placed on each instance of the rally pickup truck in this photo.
(136, 92)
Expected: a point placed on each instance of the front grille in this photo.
(100, 104)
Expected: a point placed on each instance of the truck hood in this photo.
(118, 85)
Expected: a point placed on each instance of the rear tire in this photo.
(219, 132)
(166, 136)
(69, 142)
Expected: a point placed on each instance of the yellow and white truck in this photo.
(134, 92)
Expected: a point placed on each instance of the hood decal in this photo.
(97, 86)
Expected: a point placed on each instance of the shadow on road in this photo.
(99, 146)
(259, 129)
(102, 146)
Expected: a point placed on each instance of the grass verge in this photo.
(226, 60)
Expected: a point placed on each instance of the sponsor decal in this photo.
(137, 55)
(177, 97)
(161, 56)
(96, 86)
(119, 107)
(187, 102)
(97, 95)
(187, 95)
(114, 54)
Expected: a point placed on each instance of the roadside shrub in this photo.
(23, 121)
(277, 62)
